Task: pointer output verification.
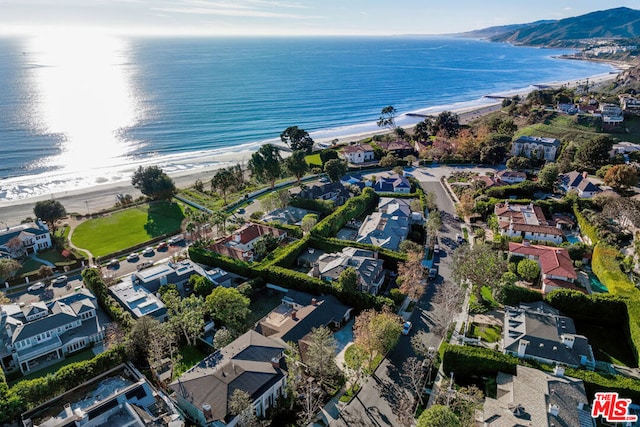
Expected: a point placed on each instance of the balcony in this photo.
(39, 349)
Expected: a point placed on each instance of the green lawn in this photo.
(190, 356)
(313, 159)
(127, 228)
(488, 333)
(261, 304)
(52, 255)
(28, 266)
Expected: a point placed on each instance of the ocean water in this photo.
(80, 111)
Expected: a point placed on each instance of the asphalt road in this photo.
(377, 402)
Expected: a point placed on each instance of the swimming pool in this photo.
(572, 239)
(596, 285)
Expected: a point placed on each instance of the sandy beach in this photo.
(103, 196)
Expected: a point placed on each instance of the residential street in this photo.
(377, 402)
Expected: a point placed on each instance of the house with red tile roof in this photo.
(359, 153)
(526, 221)
(399, 148)
(240, 243)
(555, 264)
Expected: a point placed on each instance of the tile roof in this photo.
(553, 261)
(395, 145)
(356, 148)
(511, 174)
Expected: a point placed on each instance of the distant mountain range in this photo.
(618, 23)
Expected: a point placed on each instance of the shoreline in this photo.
(202, 166)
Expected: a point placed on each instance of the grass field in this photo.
(127, 228)
(489, 333)
(313, 159)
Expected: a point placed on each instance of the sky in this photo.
(285, 17)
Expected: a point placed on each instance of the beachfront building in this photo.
(537, 331)
(24, 239)
(630, 104)
(556, 267)
(358, 153)
(399, 148)
(511, 177)
(536, 147)
(526, 221)
(611, 114)
(536, 398)
(239, 244)
(138, 301)
(36, 335)
(580, 183)
(252, 363)
(366, 263)
(122, 396)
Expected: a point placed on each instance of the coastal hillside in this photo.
(618, 23)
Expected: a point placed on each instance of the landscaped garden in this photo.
(129, 227)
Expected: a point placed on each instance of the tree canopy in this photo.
(480, 265)
(296, 164)
(153, 183)
(335, 169)
(593, 154)
(229, 307)
(387, 118)
(265, 164)
(621, 176)
(438, 416)
(49, 211)
(548, 175)
(448, 123)
(8, 268)
(528, 269)
(297, 139)
(224, 181)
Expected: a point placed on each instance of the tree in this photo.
(265, 164)
(8, 268)
(265, 244)
(224, 181)
(335, 169)
(328, 154)
(308, 222)
(163, 344)
(148, 341)
(186, 315)
(450, 296)
(348, 281)
(621, 176)
(49, 211)
(430, 200)
(377, 332)
(479, 266)
(201, 285)
(45, 271)
(219, 219)
(407, 246)
(438, 416)
(296, 164)
(433, 225)
(387, 118)
(448, 123)
(412, 375)
(548, 175)
(153, 183)
(519, 163)
(222, 338)
(297, 139)
(593, 154)
(410, 274)
(229, 307)
(241, 405)
(388, 161)
(465, 207)
(321, 354)
(354, 357)
(528, 269)
(493, 154)
(423, 130)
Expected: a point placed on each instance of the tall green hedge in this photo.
(513, 295)
(94, 282)
(354, 207)
(586, 228)
(607, 268)
(27, 394)
(627, 387)
(322, 206)
(391, 258)
(232, 265)
(603, 309)
(471, 361)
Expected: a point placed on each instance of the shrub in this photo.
(322, 206)
(522, 189)
(513, 295)
(476, 361)
(596, 382)
(586, 228)
(93, 281)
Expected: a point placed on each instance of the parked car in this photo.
(143, 265)
(459, 238)
(148, 251)
(241, 211)
(436, 250)
(113, 263)
(325, 180)
(433, 273)
(176, 239)
(133, 256)
(162, 245)
(59, 279)
(406, 328)
(36, 286)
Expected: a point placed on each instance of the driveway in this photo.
(377, 402)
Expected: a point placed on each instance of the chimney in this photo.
(9, 331)
(526, 243)
(315, 272)
(554, 410)
(522, 347)
(314, 301)
(236, 237)
(558, 371)
(294, 314)
(206, 411)
(68, 412)
(585, 174)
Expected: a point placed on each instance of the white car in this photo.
(133, 256)
(406, 328)
(35, 286)
(59, 279)
(147, 251)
